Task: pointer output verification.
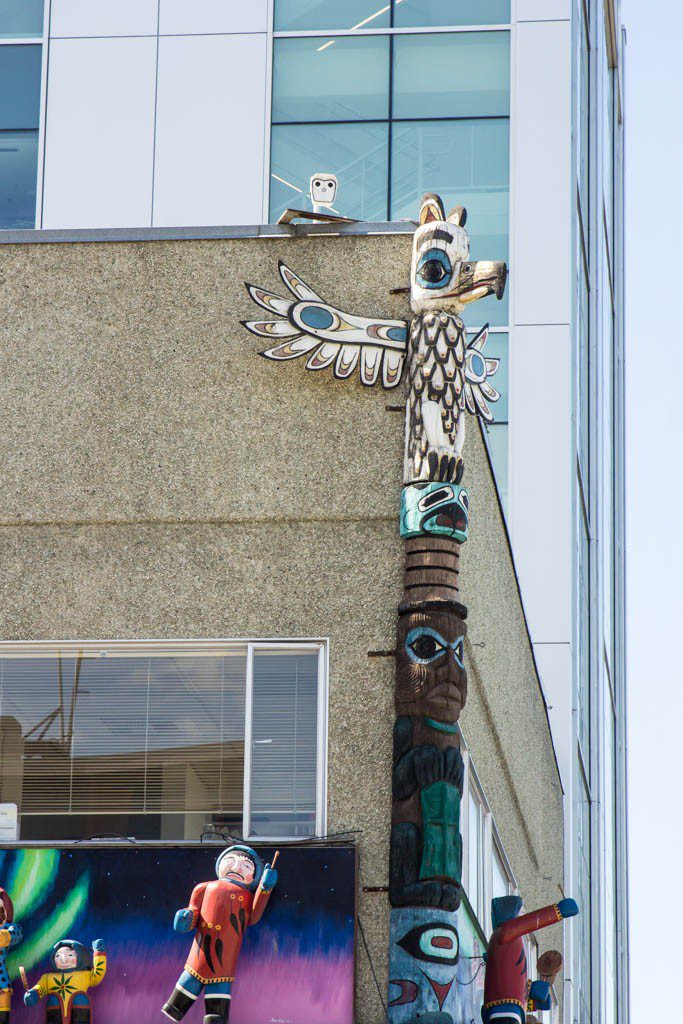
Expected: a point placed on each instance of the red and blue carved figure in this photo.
(506, 986)
(65, 989)
(10, 936)
(219, 913)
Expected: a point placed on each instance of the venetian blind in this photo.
(284, 743)
(136, 733)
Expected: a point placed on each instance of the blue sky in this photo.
(654, 225)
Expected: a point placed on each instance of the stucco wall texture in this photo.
(160, 480)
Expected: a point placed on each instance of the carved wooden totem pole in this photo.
(447, 377)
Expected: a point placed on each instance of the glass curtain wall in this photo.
(394, 113)
(599, 826)
(21, 37)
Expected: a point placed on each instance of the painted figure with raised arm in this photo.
(506, 987)
(219, 913)
(65, 989)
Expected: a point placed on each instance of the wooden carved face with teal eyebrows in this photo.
(442, 276)
(431, 681)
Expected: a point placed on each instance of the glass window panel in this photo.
(583, 117)
(18, 179)
(356, 153)
(153, 745)
(583, 375)
(20, 86)
(584, 901)
(108, 701)
(500, 882)
(342, 79)
(284, 744)
(465, 162)
(584, 645)
(497, 434)
(452, 75)
(303, 15)
(21, 18)
(610, 852)
(408, 13)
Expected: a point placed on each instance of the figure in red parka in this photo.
(506, 989)
(220, 912)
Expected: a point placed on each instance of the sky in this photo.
(654, 226)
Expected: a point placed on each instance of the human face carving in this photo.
(66, 959)
(237, 867)
(430, 671)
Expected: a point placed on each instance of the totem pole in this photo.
(446, 377)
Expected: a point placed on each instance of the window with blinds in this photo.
(161, 743)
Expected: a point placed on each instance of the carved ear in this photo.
(431, 208)
(458, 216)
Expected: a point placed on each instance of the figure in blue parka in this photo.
(10, 936)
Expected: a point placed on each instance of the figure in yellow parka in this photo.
(65, 990)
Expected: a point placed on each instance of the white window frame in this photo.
(490, 840)
(25, 648)
(321, 760)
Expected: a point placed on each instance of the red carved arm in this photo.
(527, 923)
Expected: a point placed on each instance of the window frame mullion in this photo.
(248, 732)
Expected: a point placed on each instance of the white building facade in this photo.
(158, 114)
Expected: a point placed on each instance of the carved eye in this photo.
(435, 943)
(459, 652)
(435, 498)
(467, 268)
(424, 645)
(464, 500)
(330, 184)
(434, 269)
(317, 184)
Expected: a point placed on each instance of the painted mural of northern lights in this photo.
(297, 966)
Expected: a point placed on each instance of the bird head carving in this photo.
(442, 276)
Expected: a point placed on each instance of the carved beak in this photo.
(481, 278)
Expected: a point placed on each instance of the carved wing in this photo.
(310, 327)
(478, 368)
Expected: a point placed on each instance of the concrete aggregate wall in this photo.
(160, 480)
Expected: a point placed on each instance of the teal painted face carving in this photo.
(435, 508)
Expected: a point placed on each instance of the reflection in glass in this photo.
(21, 18)
(497, 436)
(500, 886)
(497, 348)
(465, 162)
(20, 86)
(303, 15)
(475, 853)
(339, 79)
(155, 744)
(452, 75)
(450, 12)
(18, 179)
(356, 153)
